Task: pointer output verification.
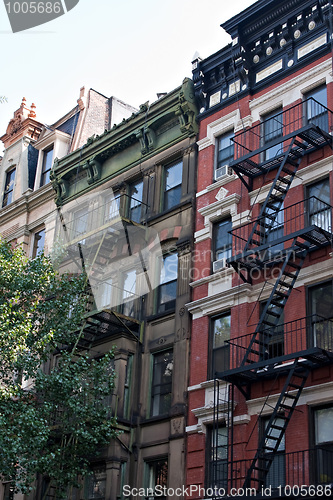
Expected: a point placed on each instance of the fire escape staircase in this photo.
(256, 254)
(277, 425)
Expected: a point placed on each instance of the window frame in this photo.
(211, 459)
(8, 193)
(35, 248)
(167, 306)
(138, 206)
(45, 172)
(327, 445)
(224, 348)
(152, 463)
(325, 221)
(321, 117)
(313, 322)
(225, 162)
(227, 248)
(159, 383)
(166, 206)
(276, 150)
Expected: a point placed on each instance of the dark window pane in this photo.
(223, 240)
(157, 475)
(167, 290)
(136, 191)
(39, 242)
(272, 130)
(46, 166)
(316, 107)
(321, 309)
(225, 154)
(319, 201)
(96, 484)
(162, 383)
(172, 187)
(219, 458)
(221, 349)
(9, 187)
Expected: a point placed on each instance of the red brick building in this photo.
(261, 375)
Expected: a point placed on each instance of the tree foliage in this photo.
(53, 414)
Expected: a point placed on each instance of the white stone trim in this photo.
(291, 91)
(219, 127)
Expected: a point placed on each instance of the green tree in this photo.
(53, 415)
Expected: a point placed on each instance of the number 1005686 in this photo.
(310, 491)
(34, 7)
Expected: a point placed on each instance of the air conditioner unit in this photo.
(220, 172)
(218, 265)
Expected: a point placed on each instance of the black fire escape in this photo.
(98, 241)
(271, 249)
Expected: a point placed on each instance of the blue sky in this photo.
(130, 49)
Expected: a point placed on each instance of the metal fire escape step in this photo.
(274, 431)
(276, 195)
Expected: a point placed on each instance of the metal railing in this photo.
(86, 221)
(280, 127)
(285, 340)
(308, 212)
(288, 473)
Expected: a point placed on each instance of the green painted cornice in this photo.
(152, 130)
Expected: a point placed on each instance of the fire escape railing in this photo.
(280, 128)
(289, 472)
(285, 341)
(308, 215)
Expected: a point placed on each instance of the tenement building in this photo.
(261, 375)
(126, 215)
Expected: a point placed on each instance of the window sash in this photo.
(46, 166)
(223, 240)
(172, 185)
(39, 242)
(136, 197)
(9, 187)
(161, 388)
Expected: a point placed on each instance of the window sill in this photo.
(155, 316)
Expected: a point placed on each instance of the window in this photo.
(8, 493)
(9, 187)
(274, 229)
(277, 472)
(319, 209)
(46, 166)
(167, 290)
(321, 314)
(112, 207)
(225, 154)
(272, 338)
(221, 349)
(96, 484)
(128, 293)
(156, 475)
(135, 208)
(123, 482)
(80, 223)
(272, 130)
(173, 185)
(323, 423)
(222, 243)
(39, 242)
(218, 458)
(127, 385)
(103, 294)
(161, 383)
(316, 107)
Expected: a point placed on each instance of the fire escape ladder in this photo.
(277, 193)
(269, 318)
(277, 425)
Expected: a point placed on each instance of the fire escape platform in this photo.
(270, 368)
(108, 324)
(309, 138)
(258, 257)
